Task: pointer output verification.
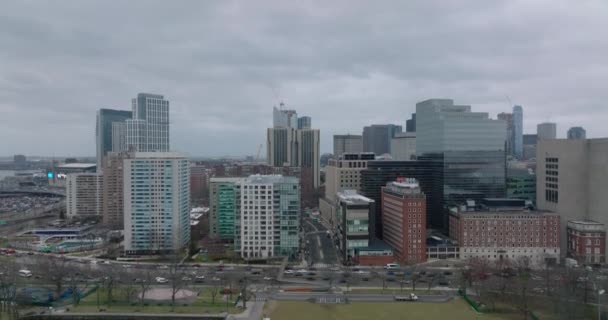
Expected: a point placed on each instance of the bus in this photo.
(25, 273)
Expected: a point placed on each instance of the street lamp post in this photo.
(599, 306)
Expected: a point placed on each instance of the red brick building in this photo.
(501, 233)
(404, 220)
(586, 241)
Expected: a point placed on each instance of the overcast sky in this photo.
(347, 64)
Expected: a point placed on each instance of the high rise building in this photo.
(469, 146)
(509, 138)
(577, 133)
(546, 130)
(377, 138)
(304, 123)
(148, 131)
(342, 174)
(282, 118)
(404, 220)
(572, 180)
(224, 208)
(269, 217)
(521, 184)
(119, 137)
(308, 151)
(518, 131)
(529, 146)
(352, 223)
(403, 146)
(84, 195)
(104, 136)
(347, 143)
(113, 190)
(288, 146)
(156, 203)
(199, 185)
(281, 146)
(429, 175)
(410, 124)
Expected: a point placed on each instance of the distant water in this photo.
(10, 173)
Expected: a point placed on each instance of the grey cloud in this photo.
(224, 64)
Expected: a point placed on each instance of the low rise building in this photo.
(586, 241)
(502, 229)
(404, 220)
(352, 223)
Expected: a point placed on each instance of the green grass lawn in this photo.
(454, 310)
(202, 304)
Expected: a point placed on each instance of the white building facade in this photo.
(156, 203)
(269, 216)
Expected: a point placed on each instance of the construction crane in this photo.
(257, 156)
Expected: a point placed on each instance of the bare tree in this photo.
(128, 285)
(480, 267)
(176, 273)
(144, 284)
(402, 281)
(214, 290)
(522, 285)
(8, 290)
(55, 270)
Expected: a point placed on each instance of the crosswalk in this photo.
(331, 300)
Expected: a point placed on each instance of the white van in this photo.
(391, 266)
(25, 273)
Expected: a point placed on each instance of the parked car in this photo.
(161, 280)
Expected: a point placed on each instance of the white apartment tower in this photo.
(156, 203)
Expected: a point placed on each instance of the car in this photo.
(365, 279)
(311, 273)
(302, 271)
(267, 278)
(106, 262)
(161, 280)
(537, 278)
(538, 290)
(391, 266)
(199, 279)
(216, 279)
(164, 266)
(137, 280)
(311, 278)
(31, 253)
(186, 278)
(444, 283)
(126, 266)
(447, 273)
(410, 297)
(248, 268)
(93, 261)
(288, 272)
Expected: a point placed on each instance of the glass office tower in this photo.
(469, 147)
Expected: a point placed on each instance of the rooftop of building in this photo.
(405, 135)
(268, 179)
(227, 179)
(159, 155)
(375, 245)
(586, 222)
(496, 206)
(77, 166)
(352, 197)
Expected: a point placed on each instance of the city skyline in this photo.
(225, 82)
